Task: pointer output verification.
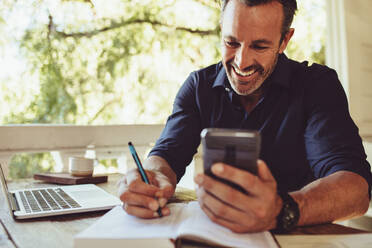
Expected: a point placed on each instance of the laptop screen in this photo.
(3, 182)
(5, 189)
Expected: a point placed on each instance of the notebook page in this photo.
(117, 224)
(198, 224)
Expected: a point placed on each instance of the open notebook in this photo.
(187, 221)
(57, 200)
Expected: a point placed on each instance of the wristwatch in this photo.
(289, 214)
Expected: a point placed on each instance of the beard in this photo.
(250, 86)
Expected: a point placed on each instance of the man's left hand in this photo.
(251, 212)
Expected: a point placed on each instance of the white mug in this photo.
(80, 166)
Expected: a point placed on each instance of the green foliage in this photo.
(80, 64)
(107, 163)
(39, 162)
(308, 42)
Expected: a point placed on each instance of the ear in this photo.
(286, 39)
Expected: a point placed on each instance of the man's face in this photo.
(250, 43)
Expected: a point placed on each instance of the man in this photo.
(313, 168)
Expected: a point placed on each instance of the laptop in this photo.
(56, 200)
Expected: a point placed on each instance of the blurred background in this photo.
(97, 62)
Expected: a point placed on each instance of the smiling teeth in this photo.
(244, 74)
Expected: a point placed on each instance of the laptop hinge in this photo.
(13, 202)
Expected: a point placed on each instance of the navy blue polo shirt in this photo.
(303, 118)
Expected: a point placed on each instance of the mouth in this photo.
(248, 73)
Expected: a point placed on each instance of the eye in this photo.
(232, 44)
(260, 48)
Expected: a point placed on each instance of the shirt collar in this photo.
(221, 79)
(223, 82)
(280, 76)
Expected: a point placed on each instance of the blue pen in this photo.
(140, 169)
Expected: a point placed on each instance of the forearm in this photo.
(341, 195)
(159, 164)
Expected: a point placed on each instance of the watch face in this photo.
(289, 217)
(290, 214)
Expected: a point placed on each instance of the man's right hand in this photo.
(143, 200)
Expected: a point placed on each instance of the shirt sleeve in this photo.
(332, 139)
(181, 136)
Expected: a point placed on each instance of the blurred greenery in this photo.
(38, 162)
(113, 62)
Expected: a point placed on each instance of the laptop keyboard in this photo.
(46, 200)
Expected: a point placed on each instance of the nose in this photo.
(243, 58)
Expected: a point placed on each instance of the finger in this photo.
(139, 200)
(161, 180)
(160, 184)
(216, 219)
(245, 179)
(165, 211)
(229, 195)
(223, 210)
(141, 187)
(264, 172)
(144, 212)
(151, 176)
(140, 212)
(166, 192)
(166, 188)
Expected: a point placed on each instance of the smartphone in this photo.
(236, 147)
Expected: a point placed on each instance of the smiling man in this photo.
(313, 168)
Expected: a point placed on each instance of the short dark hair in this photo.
(289, 10)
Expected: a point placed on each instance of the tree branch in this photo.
(116, 25)
(86, 1)
(106, 105)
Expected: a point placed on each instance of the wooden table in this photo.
(58, 231)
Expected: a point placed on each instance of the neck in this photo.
(250, 101)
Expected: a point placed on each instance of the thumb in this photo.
(165, 185)
(264, 172)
